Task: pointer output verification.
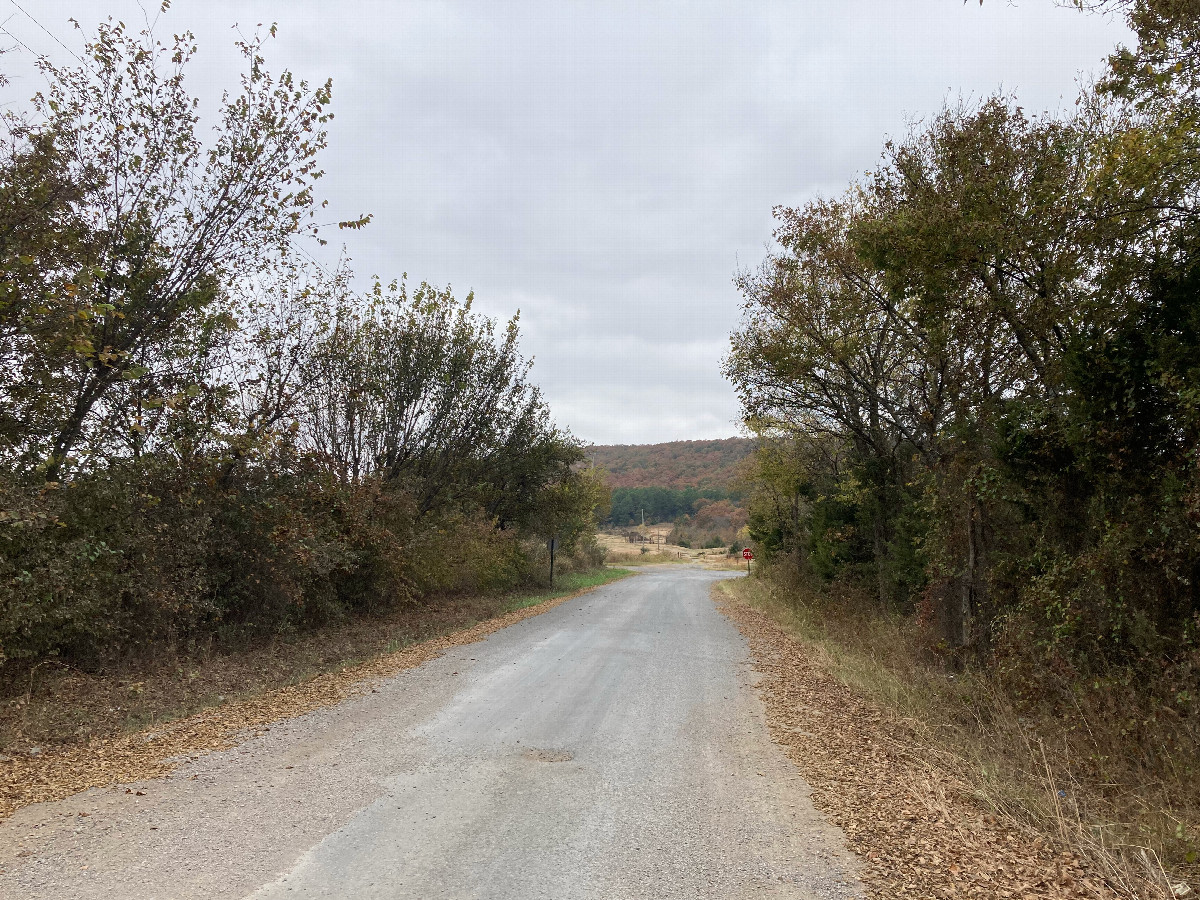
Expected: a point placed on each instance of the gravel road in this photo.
(611, 748)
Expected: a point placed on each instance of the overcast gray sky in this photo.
(605, 167)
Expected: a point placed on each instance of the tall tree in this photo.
(826, 351)
(162, 220)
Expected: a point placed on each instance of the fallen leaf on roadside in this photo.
(913, 824)
(63, 771)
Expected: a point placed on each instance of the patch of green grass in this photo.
(567, 584)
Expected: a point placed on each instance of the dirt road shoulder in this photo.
(58, 772)
(914, 823)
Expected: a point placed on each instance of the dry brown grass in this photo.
(57, 704)
(1068, 782)
(649, 558)
(916, 827)
(622, 553)
(725, 562)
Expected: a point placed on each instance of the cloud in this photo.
(606, 166)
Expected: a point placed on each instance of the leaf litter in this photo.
(54, 773)
(916, 826)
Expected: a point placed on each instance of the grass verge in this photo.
(571, 583)
(958, 738)
(73, 730)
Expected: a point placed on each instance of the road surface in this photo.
(611, 748)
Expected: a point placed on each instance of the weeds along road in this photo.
(610, 748)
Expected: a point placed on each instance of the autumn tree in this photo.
(159, 220)
(993, 339)
(205, 434)
(828, 353)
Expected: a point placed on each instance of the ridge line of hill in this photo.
(700, 464)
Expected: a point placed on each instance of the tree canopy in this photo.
(974, 373)
(202, 430)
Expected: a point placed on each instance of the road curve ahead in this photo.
(610, 748)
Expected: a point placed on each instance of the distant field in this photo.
(678, 464)
(623, 553)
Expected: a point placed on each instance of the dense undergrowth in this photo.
(137, 559)
(208, 439)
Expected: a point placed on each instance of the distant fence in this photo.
(636, 538)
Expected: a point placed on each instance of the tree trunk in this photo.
(974, 581)
(966, 611)
(880, 552)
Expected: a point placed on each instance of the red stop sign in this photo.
(746, 554)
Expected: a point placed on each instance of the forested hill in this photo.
(677, 464)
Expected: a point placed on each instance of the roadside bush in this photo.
(99, 564)
(589, 553)
(203, 441)
(142, 555)
(456, 553)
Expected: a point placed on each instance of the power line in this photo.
(20, 43)
(51, 34)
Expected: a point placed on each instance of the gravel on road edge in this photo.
(914, 824)
(61, 772)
